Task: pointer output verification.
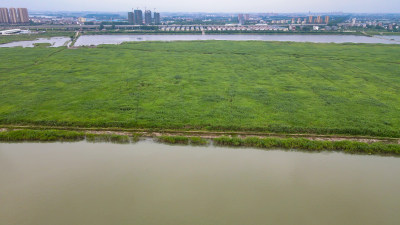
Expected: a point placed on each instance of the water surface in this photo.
(151, 183)
(118, 39)
(54, 41)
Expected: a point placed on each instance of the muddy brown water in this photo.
(151, 183)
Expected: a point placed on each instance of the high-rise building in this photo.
(13, 16)
(131, 18)
(353, 21)
(23, 15)
(326, 19)
(4, 18)
(319, 20)
(138, 15)
(157, 19)
(241, 18)
(310, 19)
(147, 17)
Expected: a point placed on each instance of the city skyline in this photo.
(250, 6)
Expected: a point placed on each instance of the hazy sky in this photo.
(378, 6)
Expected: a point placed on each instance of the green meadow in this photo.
(278, 87)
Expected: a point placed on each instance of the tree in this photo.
(101, 27)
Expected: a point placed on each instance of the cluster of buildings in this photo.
(304, 21)
(242, 18)
(245, 18)
(136, 17)
(14, 15)
(366, 23)
(174, 28)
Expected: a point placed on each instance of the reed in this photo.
(311, 145)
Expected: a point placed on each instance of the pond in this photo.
(54, 41)
(153, 183)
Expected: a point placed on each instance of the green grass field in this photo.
(209, 85)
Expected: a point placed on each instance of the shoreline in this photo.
(375, 147)
(208, 134)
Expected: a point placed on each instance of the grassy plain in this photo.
(209, 85)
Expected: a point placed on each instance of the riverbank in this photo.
(375, 146)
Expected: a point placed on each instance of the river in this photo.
(152, 183)
(86, 40)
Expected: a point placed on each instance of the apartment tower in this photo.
(13, 16)
(131, 18)
(147, 17)
(23, 15)
(157, 18)
(4, 18)
(138, 17)
(326, 19)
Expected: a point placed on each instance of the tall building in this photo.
(241, 18)
(157, 18)
(353, 21)
(131, 18)
(23, 15)
(326, 19)
(13, 16)
(310, 19)
(147, 17)
(4, 18)
(138, 17)
(319, 20)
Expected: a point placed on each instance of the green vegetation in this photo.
(41, 45)
(305, 144)
(182, 140)
(198, 141)
(61, 135)
(174, 139)
(277, 87)
(108, 138)
(41, 135)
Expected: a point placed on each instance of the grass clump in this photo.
(114, 138)
(198, 141)
(60, 135)
(41, 135)
(174, 139)
(311, 145)
(136, 137)
(183, 140)
(41, 45)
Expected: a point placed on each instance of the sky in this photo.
(277, 6)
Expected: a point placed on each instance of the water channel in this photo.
(87, 40)
(152, 183)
